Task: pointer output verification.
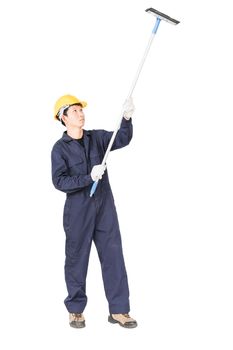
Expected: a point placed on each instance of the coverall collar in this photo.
(86, 139)
(68, 138)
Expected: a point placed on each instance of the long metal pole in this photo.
(154, 31)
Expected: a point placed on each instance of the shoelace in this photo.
(77, 316)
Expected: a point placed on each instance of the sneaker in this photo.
(76, 320)
(124, 320)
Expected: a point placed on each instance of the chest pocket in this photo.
(77, 167)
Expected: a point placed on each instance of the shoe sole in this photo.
(81, 325)
(113, 321)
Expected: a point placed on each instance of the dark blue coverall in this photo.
(90, 218)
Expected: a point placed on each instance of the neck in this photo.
(75, 133)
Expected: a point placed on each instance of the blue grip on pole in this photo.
(93, 188)
(158, 20)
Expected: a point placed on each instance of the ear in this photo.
(64, 118)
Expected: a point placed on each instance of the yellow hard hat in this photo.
(66, 100)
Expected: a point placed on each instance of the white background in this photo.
(172, 185)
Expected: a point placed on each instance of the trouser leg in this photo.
(107, 239)
(76, 265)
(79, 233)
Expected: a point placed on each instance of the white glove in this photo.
(128, 108)
(97, 172)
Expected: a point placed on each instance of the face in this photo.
(75, 117)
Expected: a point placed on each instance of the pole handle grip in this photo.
(93, 187)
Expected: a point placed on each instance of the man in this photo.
(76, 163)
